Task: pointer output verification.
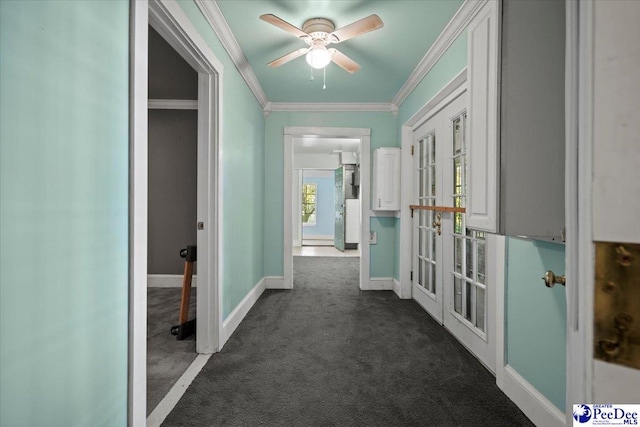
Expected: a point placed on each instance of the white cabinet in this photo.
(482, 69)
(386, 179)
(516, 119)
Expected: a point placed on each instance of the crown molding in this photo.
(214, 16)
(379, 107)
(454, 28)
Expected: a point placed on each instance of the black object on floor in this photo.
(186, 327)
(326, 353)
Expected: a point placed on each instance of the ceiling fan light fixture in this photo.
(318, 57)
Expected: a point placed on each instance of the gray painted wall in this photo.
(172, 159)
(170, 77)
(172, 187)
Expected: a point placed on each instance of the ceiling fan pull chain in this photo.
(311, 78)
(324, 78)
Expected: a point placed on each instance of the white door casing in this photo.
(170, 21)
(289, 210)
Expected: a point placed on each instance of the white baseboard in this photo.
(379, 284)
(238, 314)
(168, 281)
(274, 282)
(396, 287)
(317, 237)
(166, 405)
(530, 401)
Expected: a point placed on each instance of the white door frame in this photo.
(578, 187)
(365, 176)
(451, 91)
(170, 21)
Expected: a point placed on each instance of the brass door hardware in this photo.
(550, 279)
(437, 224)
(617, 303)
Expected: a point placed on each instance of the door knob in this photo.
(550, 279)
(437, 224)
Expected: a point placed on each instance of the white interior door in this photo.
(450, 275)
(427, 242)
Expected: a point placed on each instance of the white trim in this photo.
(378, 284)
(327, 237)
(173, 104)
(454, 28)
(168, 281)
(388, 214)
(396, 287)
(214, 16)
(166, 405)
(500, 252)
(578, 181)
(170, 21)
(381, 107)
(274, 282)
(138, 205)
(240, 312)
(291, 132)
(448, 93)
(530, 401)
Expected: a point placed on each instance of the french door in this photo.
(449, 276)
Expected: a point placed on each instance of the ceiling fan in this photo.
(318, 33)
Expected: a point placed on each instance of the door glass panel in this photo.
(481, 262)
(469, 258)
(457, 294)
(480, 308)
(457, 261)
(468, 301)
(457, 136)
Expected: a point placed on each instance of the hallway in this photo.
(326, 353)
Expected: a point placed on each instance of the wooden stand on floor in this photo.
(186, 327)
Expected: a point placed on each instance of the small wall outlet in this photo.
(373, 237)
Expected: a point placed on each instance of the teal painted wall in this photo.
(536, 317)
(64, 168)
(242, 169)
(384, 133)
(448, 66)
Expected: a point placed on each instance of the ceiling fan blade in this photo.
(288, 57)
(281, 23)
(344, 61)
(363, 26)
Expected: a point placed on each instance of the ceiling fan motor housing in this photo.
(319, 29)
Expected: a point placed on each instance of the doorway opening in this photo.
(173, 167)
(170, 22)
(326, 197)
(325, 156)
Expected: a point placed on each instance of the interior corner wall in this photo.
(64, 213)
(384, 133)
(242, 171)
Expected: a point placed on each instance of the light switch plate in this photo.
(373, 237)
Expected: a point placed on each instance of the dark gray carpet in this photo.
(167, 358)
(326, 353)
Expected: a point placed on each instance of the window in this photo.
(309, 195)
